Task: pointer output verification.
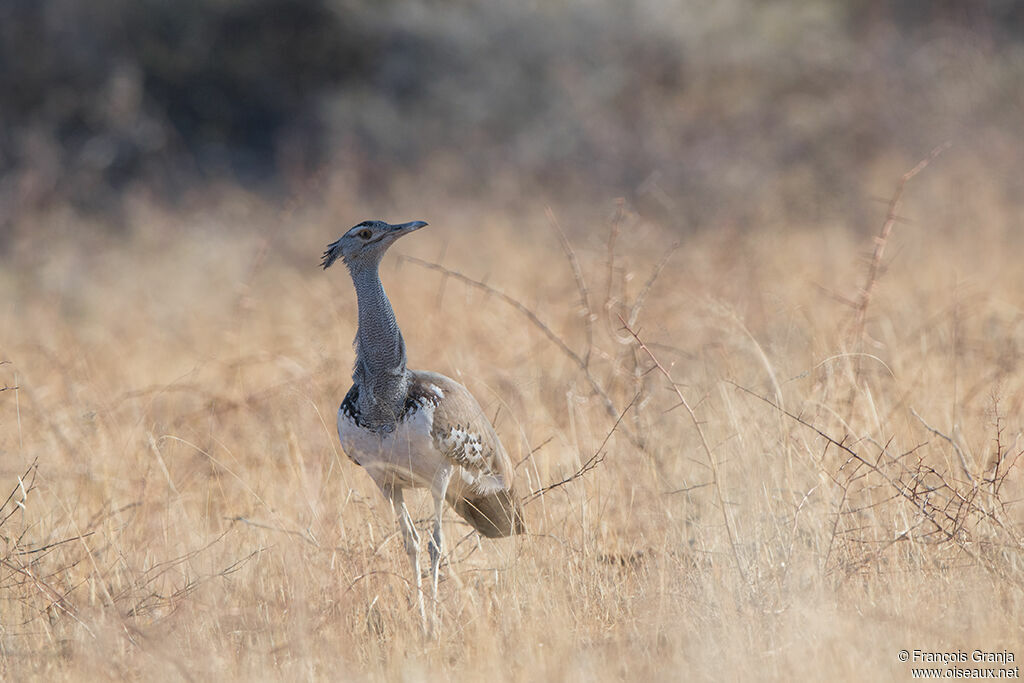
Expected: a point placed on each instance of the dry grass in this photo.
(180, 506)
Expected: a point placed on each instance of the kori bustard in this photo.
(411, 428)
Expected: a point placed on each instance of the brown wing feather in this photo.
(464, 435)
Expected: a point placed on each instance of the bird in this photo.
(414, 428)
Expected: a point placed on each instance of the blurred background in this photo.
(733, 113)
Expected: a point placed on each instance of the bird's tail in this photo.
(494, 515)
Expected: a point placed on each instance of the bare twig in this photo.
(50, 546)
(536, 448)
(840, 444)
(835, 527)
(891, 218)
(638, 303)
(532, 317)
(939, 504)
(154, 600)
(581, 285)
(613, 235)
(305, 536)
(593, 461)
(712, 463)
(22, 488)
(954, 444)
(51, 594)
(687, 489)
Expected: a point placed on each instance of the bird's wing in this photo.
(463, 434)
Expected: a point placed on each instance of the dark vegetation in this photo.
(643, 100)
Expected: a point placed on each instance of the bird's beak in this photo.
(403, 228)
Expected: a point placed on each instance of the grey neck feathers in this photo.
(380, 370)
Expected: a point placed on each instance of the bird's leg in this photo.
(439, 488)
(411, 539)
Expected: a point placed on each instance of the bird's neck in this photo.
(380, 370)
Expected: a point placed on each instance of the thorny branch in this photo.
(581, 285)
(613, 235)
(712, 463)
(951, 512)
(634, 311)
(532, 317)
(22, 488)
(6, 387)
(891, 218)
(596, 459)
(954, 444)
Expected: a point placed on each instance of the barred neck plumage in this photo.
(380, 371)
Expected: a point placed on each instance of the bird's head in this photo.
(364, 245)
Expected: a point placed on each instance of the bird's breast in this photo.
(405, 455)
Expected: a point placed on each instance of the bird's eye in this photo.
(363, 234)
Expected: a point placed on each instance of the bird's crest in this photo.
(332, 254)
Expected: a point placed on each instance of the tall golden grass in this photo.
(831, 493)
